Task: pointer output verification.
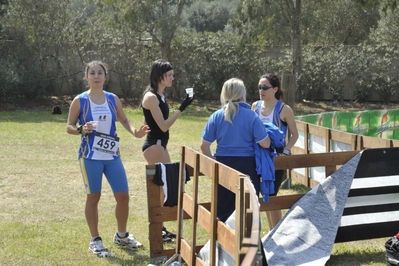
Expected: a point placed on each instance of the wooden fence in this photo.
(241, 243)
(314, 139)
(317, 147)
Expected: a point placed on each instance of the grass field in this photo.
(42, 196)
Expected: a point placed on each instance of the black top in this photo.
(156, 132)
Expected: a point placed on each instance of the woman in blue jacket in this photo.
(235, 128)
(271, 109)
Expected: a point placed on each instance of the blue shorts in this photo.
(93, 170)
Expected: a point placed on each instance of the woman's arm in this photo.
(287, 115)
(144, 129)
(73, 116)
(206, 148)
(265, 143)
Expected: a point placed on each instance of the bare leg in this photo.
(122, 210)
(157, 154)
(91, 213)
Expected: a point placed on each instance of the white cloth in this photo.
(306, 234)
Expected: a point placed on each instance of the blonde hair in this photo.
(233, 91)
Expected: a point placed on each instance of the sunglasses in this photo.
(265, 88)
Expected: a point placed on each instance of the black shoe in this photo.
(167, 233)
(392, 251)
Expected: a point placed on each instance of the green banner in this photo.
(379, 123)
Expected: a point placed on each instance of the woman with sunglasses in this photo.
(270, 108)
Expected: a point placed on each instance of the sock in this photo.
(94, 237)
(122, 234)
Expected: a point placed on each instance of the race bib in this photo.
(106, 143)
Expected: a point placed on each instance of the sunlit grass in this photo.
(42, 196)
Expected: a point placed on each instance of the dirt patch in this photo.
(41, 104)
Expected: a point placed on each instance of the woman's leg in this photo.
(91, 213)
(122, 210)
(156, 154)
(273, 217)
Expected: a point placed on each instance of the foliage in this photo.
(387, 30)
(263, 22)
(337, 22)
(45, 44)
(8, 79)
(157, 20)
(368, 69)
(312, 79)
(206, 60)
(209, 16)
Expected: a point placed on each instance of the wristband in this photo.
(286, 151)
(80, 129)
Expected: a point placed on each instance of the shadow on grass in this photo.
(357, 258)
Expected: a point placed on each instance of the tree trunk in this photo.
(296, 45)
(169, 26)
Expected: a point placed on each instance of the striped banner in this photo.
(372, 206)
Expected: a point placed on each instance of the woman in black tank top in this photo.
(156, 112)
(156, 115)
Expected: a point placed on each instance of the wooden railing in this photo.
(315, 139)
(316, 147)
(242, 243)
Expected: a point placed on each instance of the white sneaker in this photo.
(96, 246)
(127, 241)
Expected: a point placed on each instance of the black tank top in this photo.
(156, 132)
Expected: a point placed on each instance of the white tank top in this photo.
(266, 119)
(102, 114)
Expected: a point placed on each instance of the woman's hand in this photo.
(144, 129)
(186, 102)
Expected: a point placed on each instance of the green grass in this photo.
(42, 195)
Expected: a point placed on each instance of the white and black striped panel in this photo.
(372, 207)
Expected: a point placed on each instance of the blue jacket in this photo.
(265, 160)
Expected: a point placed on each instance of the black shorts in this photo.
(278, 179)
(150, 142)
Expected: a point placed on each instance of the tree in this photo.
(153, 19)
(275, 16)
(337, 22)
(387, 30)
(209, 15)
(40, 32)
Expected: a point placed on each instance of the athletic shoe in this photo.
(165, 238)
(96, 246)
(392, 251)
(167, 233)
(127, 241)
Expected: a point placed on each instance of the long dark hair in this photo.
(275, 82)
